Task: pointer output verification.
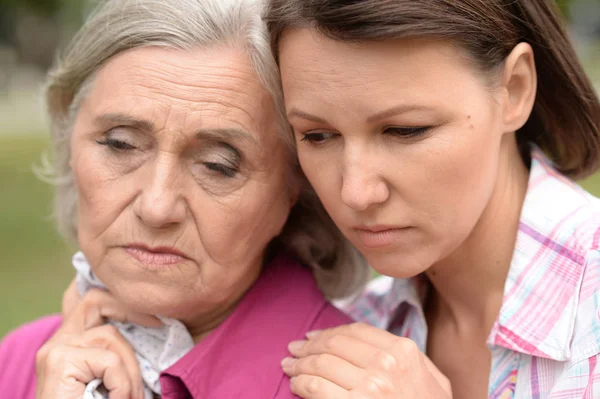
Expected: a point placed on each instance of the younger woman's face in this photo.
(401, 140)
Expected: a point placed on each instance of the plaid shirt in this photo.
(545, 342)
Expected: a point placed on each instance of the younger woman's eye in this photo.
(317, 137)
(225, 170)
(117, 145)
(407, 132)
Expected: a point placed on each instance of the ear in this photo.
(519, 85)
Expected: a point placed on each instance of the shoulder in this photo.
(287, 284)
(282, 306)
(17, 356)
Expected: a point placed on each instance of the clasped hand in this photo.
(358, 361)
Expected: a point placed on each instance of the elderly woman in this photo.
(178, 179)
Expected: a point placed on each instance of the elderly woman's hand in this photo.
(85, 348)
(358, 361)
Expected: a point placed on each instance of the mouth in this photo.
(156, 256)
(379, 236)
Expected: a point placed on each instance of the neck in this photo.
(469, 284)
(200, 329)
(200, 326)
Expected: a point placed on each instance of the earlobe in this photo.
(519, 81)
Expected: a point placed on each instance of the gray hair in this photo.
(119, 25)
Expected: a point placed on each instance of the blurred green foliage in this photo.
(46, 7)
(564, 6)
(35, 263)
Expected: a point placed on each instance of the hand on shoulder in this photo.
(358, 361)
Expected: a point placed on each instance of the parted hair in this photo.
(116, 26)
(565, 121)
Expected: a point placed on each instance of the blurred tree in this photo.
(34, 28)
(46, 7)
(565, 7)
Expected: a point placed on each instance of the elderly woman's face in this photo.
(182, 179)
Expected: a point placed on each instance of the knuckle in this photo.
(113, 360)
(314, 385)
(41, 355)
(384, 361)
(404, 346)
(53, 357)
(377, 385)
(319, 364)
(332, 343)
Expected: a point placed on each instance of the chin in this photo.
(398, 265)
(147, 298)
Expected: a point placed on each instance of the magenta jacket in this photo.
(239, 359)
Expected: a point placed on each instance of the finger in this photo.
(313, 387)
(354, 351)
(109, 367)
(372, 335)
(389, 350)
(98, 305)
(71, 299)
(108, 337)
(71, 368)
(329, 367)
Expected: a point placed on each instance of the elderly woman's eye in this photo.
(220, 168)
(114, 144)
(318, 137)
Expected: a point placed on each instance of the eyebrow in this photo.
(373, 118)
(116, 118)
(301, 114)
(233, 134)
(400, 109)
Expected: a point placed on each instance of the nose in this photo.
(161, 202)
(362, 183)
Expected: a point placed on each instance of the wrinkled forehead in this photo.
(184, 89)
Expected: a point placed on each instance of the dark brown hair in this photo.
(565, 122)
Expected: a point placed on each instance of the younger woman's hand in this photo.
(358, 361)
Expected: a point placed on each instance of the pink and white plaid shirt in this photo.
(546, 341)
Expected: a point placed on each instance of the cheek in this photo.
(463, 175)
(237, 230)
(102, 192)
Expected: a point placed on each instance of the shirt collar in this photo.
(538, 312)
(241, 358)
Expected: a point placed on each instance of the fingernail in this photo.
(313, 334)
(295, 346)
(287, 362)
